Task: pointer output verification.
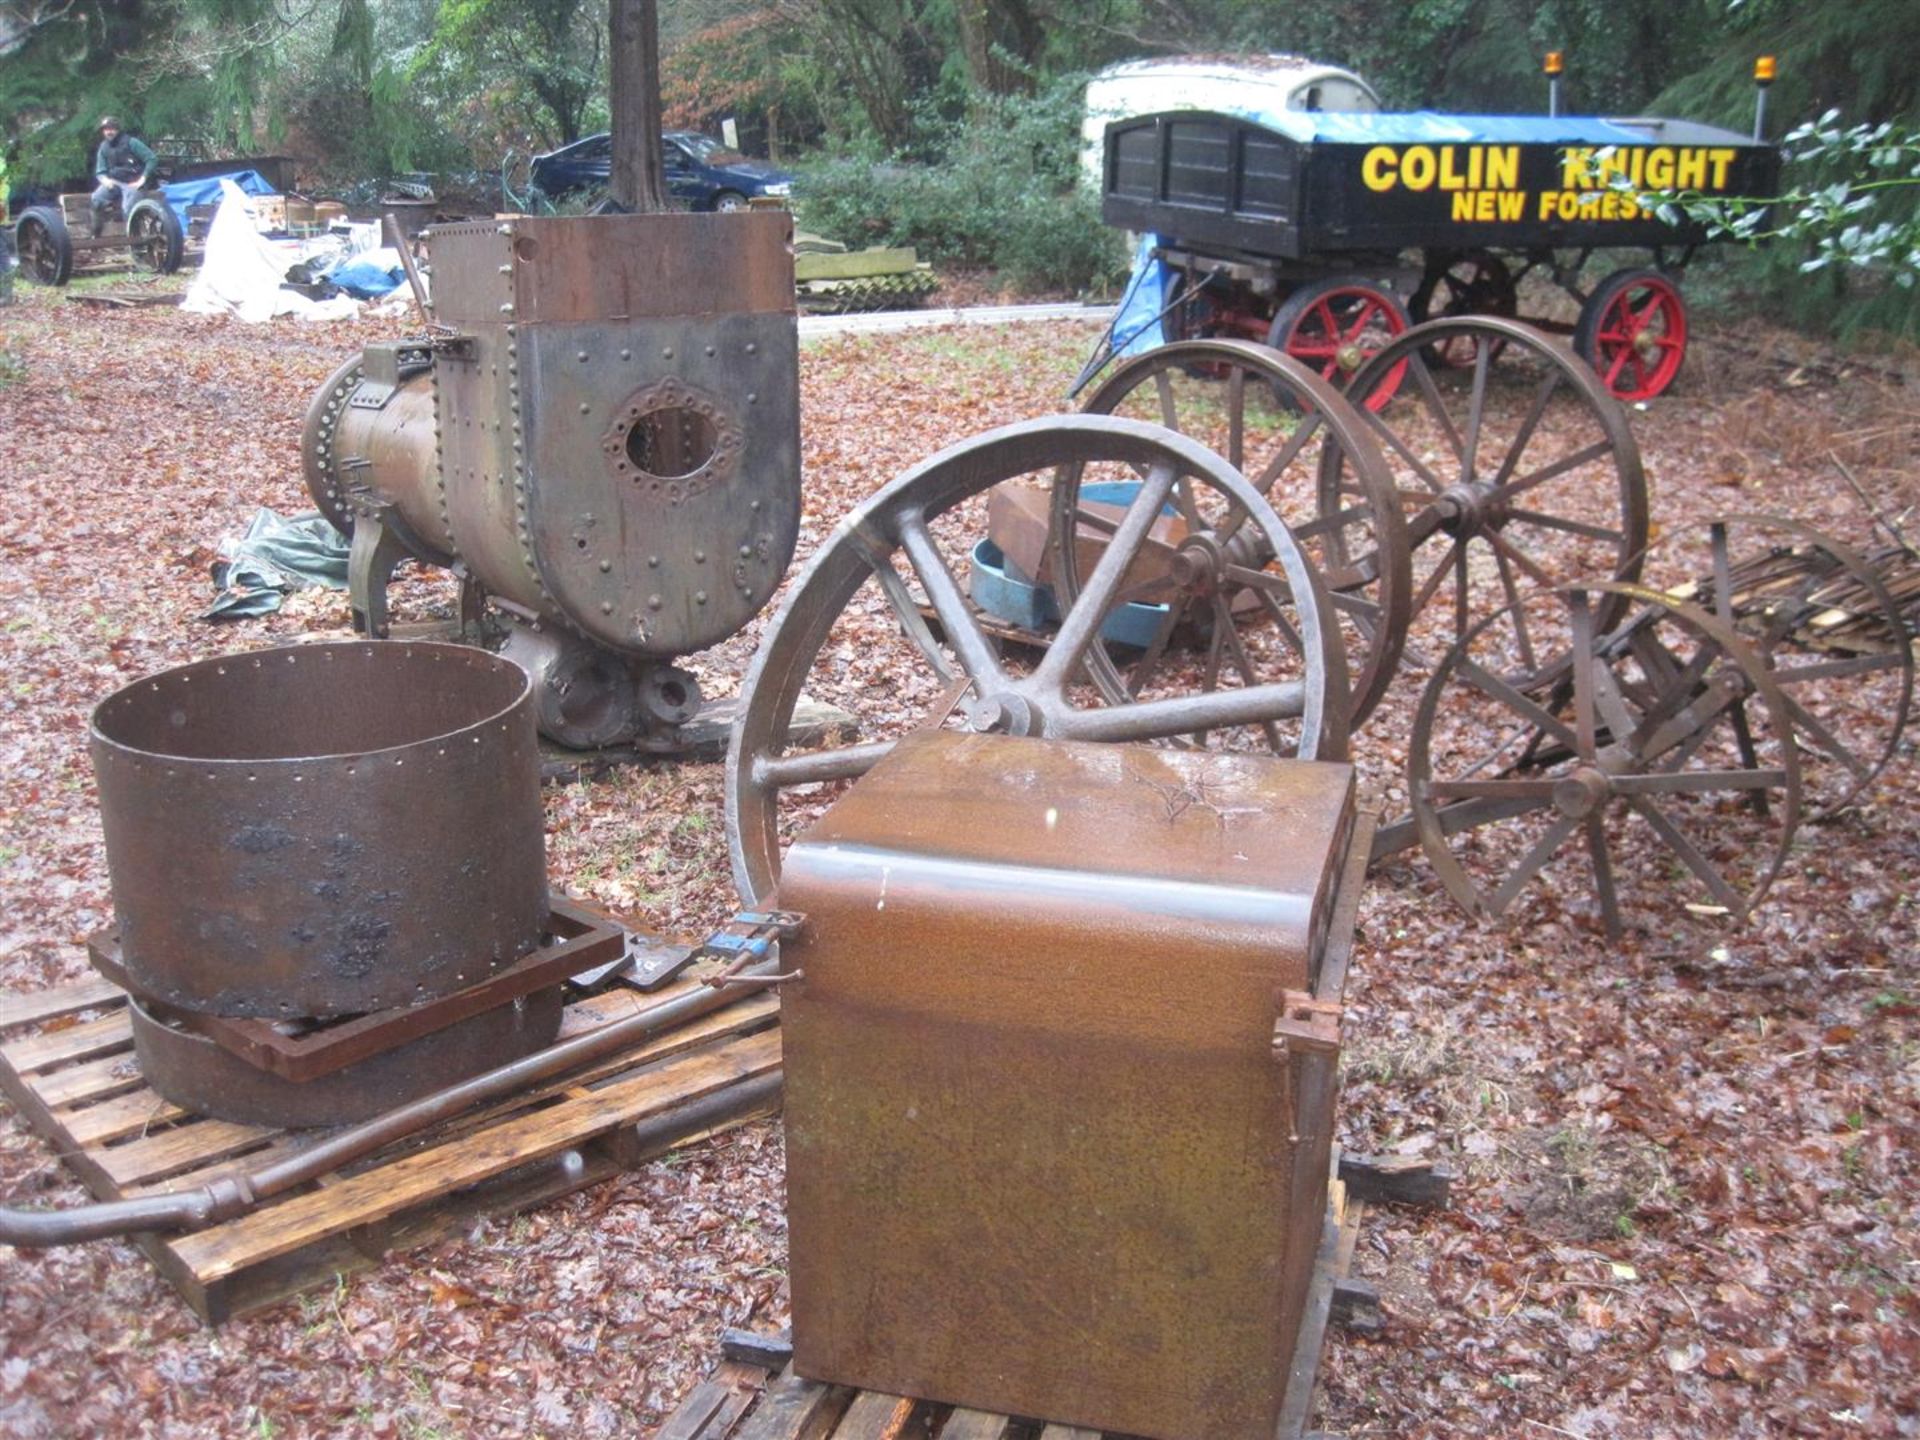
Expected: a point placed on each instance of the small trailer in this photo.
(1325, 235)
(52, 240)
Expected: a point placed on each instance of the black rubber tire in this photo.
(45, 248)
(161, 251)
(728, 201)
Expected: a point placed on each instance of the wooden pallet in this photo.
(66, 1063)
(753, 1393)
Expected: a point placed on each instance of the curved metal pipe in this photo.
(235, 1195)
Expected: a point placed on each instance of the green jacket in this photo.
(124, 158)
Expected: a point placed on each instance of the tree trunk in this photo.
(633, 83)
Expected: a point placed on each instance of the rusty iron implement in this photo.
(195, 1071)
(600, 434)
(579, 942)
(1060, 1078)
(322, 830)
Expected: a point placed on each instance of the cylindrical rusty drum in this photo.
(322, 830)
(195, 1072)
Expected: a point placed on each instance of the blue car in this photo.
(701, 173)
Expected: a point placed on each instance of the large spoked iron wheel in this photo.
(1475, 283)
(1513, 478)
(1271, 419)
(851, 633)
(1654, 753)
(1827, 627)
(1633, 332)
(1334, 327)
(157, 239)
(45, 248)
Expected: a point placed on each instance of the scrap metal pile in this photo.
(1241, 558)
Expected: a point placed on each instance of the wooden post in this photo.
(633, 83)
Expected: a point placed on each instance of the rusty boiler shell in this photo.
(322, 830)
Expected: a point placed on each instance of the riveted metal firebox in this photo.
(601, 433)
(1060, 1079)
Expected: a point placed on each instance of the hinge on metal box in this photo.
(748, 939)
(1307, 1024)
(1307, 1027)
(452, 346)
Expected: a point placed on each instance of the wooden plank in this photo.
(191, 1146)
(795, 1409)
(711, 1407)
(771, 1351)
(135, 1113)
(1399, 1179)
(966, 1424)
(1068, 1432)
(374, 1194)
(35, 1005)
(874, 1416)
(1297, 1405)
(76, 1042)
(90, 1080)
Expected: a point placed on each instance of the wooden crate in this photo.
(66, 1062)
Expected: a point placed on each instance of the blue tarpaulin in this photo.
(205, 190)
(1427, 127)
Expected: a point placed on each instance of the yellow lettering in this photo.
(1513, 204)
(1484, 208)
(1629, 208)
(1660, 168)
(1570, 203)
(1692, 171)
(1416, 168)
(1377, 169)
(1547, 201)
(1503, 168)
(1450, 178)
(1576, 167)
(1722, 163)
(1464, 206)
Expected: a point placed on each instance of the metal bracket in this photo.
(371, 558)
(1306, 1026)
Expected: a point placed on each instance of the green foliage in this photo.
(1845, 234)
(517, 72)
(997, 187)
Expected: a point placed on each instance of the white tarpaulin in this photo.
(242, 271)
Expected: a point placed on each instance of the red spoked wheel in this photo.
(1633, 331)
(1335, 326)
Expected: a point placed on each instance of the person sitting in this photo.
(123, 166)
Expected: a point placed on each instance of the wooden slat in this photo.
(76, 1042)
(714, 1404)
(88, 994)
(966, 1424)
(118, 1117)
(874, 1416)
(365, 1198)
(795, 1409)
(1068, 1432)
(89, 1080)
(191, 1146)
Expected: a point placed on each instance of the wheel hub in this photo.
(1579, 794)
(1349, 358)
(1004, 714)
(1470, 508)
(1197, 566)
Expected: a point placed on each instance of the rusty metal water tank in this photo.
(1061, 1057)
(322, 830)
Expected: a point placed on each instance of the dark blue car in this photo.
(701, 173)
